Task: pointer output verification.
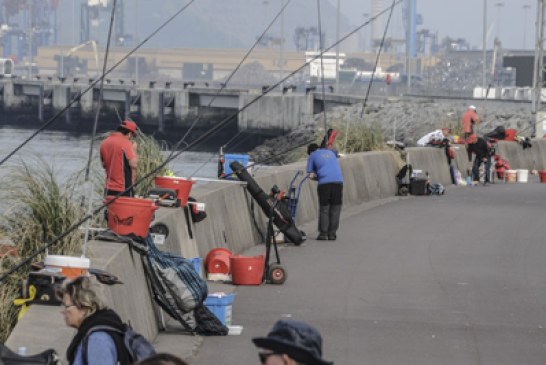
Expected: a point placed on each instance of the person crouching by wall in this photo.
(83, 309)
(323, 166)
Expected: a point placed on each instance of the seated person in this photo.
(437, 138)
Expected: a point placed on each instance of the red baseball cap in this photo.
(129, 125)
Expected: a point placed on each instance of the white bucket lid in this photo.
(67, 261)
(511, 171)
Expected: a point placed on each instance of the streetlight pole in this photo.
(499, 5)
(29, 40)
(484, 49)
(337, 46)
(526, 7)
(281, 62)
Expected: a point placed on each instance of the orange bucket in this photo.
(542, 174)
(217, 261)
(247, 270)
(131, 216)
(181, 185)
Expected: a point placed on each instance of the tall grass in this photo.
(150, 156)
(39, 208)
(359, 137)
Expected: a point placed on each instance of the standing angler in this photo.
(469, 120)
(119, 159)
(323, 166)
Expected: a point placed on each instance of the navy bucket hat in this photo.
(296, 339)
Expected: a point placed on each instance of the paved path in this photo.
(457, 279)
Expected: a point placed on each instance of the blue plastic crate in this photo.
(196, 262)
(221, 306)
(229, 158)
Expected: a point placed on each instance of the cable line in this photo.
(67, 107)
(94, 132)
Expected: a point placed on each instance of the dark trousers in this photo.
(330, 199)
(476, 169)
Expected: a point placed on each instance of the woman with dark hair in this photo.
(84, 309)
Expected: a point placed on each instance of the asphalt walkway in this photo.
(456, 279)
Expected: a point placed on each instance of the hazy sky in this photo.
(462, 19)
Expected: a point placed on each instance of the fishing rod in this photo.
(95, 82)
(373, 73)
(94, 132)
(200, 139)
(322, 67)
(101, 92)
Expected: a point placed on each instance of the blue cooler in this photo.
(229, 158)
(221, 305)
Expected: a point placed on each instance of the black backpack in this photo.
(137, 346)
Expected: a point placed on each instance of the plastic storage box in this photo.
(229, 158)
(221, 305)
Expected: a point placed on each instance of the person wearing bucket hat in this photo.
(291, 342)
(119, 159)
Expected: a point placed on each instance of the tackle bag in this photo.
(180, 291)
(436, 189)
(8, 357)
(282, 217)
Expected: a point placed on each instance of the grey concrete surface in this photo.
(456, 279)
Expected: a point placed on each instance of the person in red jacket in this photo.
(469, 120)
(119, 159)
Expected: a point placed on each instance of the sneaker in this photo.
(322, 237)
(332, 237)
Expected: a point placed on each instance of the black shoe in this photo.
(322, 237)
(332, 237)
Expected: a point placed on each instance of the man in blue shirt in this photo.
(324, 167)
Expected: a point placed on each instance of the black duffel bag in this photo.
(8, 357)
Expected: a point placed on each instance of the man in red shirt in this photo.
(469, 120)
(119, 159)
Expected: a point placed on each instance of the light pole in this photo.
(337, 45)
(525, 7)
(499, 5)
(484, 48)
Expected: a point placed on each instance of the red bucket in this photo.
(217, 261)
(542, 174)
(510, 134)
(130, 216)
(247, 270)
(181, 185)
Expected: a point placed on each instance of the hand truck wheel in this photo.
(160, 228)
(276, 274)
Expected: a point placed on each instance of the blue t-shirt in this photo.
(101, 350)
(324, 164)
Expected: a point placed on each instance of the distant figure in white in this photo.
(435, 138)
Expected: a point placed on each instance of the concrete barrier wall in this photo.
(519, 158)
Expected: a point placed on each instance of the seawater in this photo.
(68, 154)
